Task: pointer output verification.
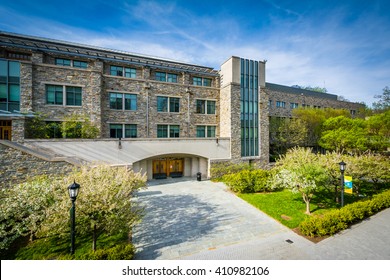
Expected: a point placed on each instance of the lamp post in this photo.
(73, 190)
(343, 165)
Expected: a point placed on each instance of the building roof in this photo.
(82, 50)
(300, 91)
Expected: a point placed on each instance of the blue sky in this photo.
(341, 45)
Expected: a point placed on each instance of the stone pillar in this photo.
(18, 129)
(26, 95)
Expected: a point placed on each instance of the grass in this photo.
(287, 207)
(55, 248)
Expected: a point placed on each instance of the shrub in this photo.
(337, 220)
(248, 181)
(218, 170)
(119, 252)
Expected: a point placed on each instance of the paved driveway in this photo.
(183, 218)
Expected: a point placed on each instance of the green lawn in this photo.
(287, 207)
(53, 248)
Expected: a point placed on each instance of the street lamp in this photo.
(73, 190)
(343, 165)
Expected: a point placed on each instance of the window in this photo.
(353, 112)
(205, 107)
(115, 131)
(130, 131)
(54, 95)
(166, 77)
(123, 72)
(123, 101)
(130, 73)
(293, 105)
(80, 64)
(168, 104)
(270, 103)
(73, 96)
(161, 76)
(62, 62)
(131, 102)
(280, 104)
(198, 81)
(116, 100)
(205, 131)
(174, 131)
(163, 129)
(116, 71)
(9, 85)
(172, 78)
(118, 130)
(206, 82)
(19, 56)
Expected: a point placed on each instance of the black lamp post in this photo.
(343, 165)
(73, 190)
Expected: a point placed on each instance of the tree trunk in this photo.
(306, 198)
(94, 237)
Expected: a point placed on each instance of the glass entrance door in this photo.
(5, 130)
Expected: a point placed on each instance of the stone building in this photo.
(161, 116)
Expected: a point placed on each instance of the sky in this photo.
(341, 45)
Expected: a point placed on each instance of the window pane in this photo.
(14, 93)
(62, 62)
(161, 76)
(54, 95)
(200, 106)
(197, 81)
(130, 73)
(3, 93)
(116, 101)
(116, 71)
(172, 78)
(80, 64)
(162, 104)
(115, 131)
(130, 102)
(3, 70)
(73, 96)
(174, 131)
(162, 131)
(130, 131)
(201, 131)
(207, 82)
(174, 104)
(210, 107)
(14, 72)
(211, 131)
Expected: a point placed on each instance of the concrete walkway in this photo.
(202, 220)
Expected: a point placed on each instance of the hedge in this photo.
(340, 219)
(248, 181)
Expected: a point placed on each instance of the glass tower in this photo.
(249, 101)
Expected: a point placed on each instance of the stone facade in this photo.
(18, 166)
(303, 98)
(38, 69)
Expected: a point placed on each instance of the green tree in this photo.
(344, 134)
(79, 126)
(36, 127)
(384, 100)
(299, 170)
(104, 203)
(378, 128)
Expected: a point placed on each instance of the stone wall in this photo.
(306, 100)
(17, 166)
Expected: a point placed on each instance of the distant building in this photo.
(173, 118)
